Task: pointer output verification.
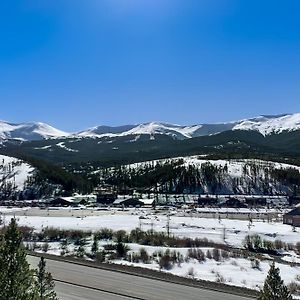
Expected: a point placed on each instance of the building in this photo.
(207, 201)
(294, 200)
(73, 200)
(84, 199)
(61, 202)
(233, 202)
(127, 201)
(256, 201)
(147, 202)
(106, 198)
(292, 218)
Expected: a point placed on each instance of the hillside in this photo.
(196, 174)
(14, 176)
(127, 149)
(67, 163)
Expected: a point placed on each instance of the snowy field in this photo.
(233, 271)
(181, 226)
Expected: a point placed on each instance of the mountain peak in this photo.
(264, 124)
(29, 131)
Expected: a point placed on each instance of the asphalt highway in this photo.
(74, 282)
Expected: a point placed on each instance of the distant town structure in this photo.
(292, 218)
(73, 200)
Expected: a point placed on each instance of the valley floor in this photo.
(238, 271)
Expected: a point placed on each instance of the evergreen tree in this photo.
(16, 278)
(44, 283)
(95, 246)
(274, 288)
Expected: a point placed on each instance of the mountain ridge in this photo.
(264, 124)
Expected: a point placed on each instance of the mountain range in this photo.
(265, 125)
(264, 136)
(53, 159)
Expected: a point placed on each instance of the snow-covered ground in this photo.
(186, 226)
(233, 271)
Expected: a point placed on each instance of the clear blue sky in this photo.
(80, 63)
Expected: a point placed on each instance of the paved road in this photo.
(76, 282)
(73, 292)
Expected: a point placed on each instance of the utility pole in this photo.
(168, 225)
(224, 234)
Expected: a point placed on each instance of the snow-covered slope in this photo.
(234, 176)
(29, 131)
(153, 128)
(270, 124)
(264, 124)
(13, 173)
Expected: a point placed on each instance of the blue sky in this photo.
(80, 63)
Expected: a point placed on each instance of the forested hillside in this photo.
(198, 175)
(20, 180)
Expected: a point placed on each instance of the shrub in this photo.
(121, 249)
(255, 264)
(104, 234)
(80, 252)
(220, 278)
(45, 247)
(165, 262)
(278, 244)
(121, 236)
(196, 254)
(100, 256)
(216, 254)
(224, 254)
(144, 256)
(208, 254)
(294, 288)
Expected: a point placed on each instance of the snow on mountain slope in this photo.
(270, 124)
(180, 132)
(162, 128)
(235, 166)
(105, 130)
(13, 173)
(236, 176)
(29, 131)
(264, 124)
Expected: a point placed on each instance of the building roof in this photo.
(294, 212)
(147, 201)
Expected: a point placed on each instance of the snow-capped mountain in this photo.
(29, 131)
(270, 124)
(105, 130)
(265, 125)
(153, 128)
